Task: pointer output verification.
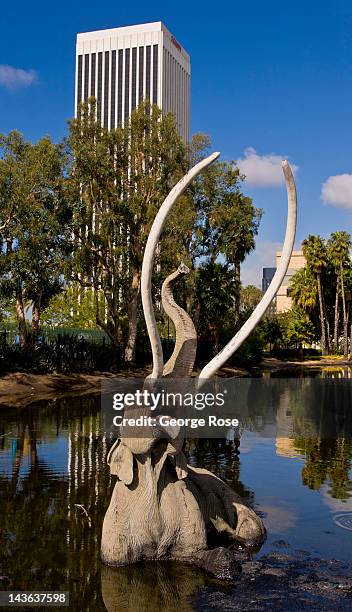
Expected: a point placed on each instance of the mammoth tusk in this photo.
(219, 360)
(148, 261)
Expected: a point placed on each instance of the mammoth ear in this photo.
(120, 461)
(181, 466)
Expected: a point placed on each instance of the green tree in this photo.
(296, 328)
(73, 307)
(119, 179)
(250, 297)
(304, 289)
(7, 310)
(226, 221)
(348, 290)
(273, 331)
(216, 290)
(33, 221)
(338, 248)
(314, 250)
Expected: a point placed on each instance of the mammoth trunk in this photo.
(182, 359)
(132, 525)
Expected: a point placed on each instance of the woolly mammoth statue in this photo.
(161, 507)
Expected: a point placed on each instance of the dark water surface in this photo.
(293, 464)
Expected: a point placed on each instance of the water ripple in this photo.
(344, 520)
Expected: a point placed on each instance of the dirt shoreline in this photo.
(271, 363)
(20, 389)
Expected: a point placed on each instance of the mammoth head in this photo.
(163, 442)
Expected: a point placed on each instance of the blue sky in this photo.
(269, 80)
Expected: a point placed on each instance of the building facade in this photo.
(268, 275)
(283, 299)
(121, 67)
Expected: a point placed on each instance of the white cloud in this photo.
(262, 170)
(13, 78)
(337, 190)
(279, 517)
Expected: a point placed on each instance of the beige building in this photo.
(297, 261)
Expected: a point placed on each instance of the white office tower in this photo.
(123, 66)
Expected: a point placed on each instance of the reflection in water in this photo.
(327, 461)
(328, 372)
(55, 488)
(151, 587)
(320, 426)
(313, 420)
(54, 491)
(279, 518)
(53, 460)
(222, 458)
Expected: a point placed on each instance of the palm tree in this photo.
(314, 250)
(304, 289)
(347, 282)
(338, 248)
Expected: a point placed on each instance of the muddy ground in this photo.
(285, 579)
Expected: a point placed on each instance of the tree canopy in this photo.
(34, 224)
